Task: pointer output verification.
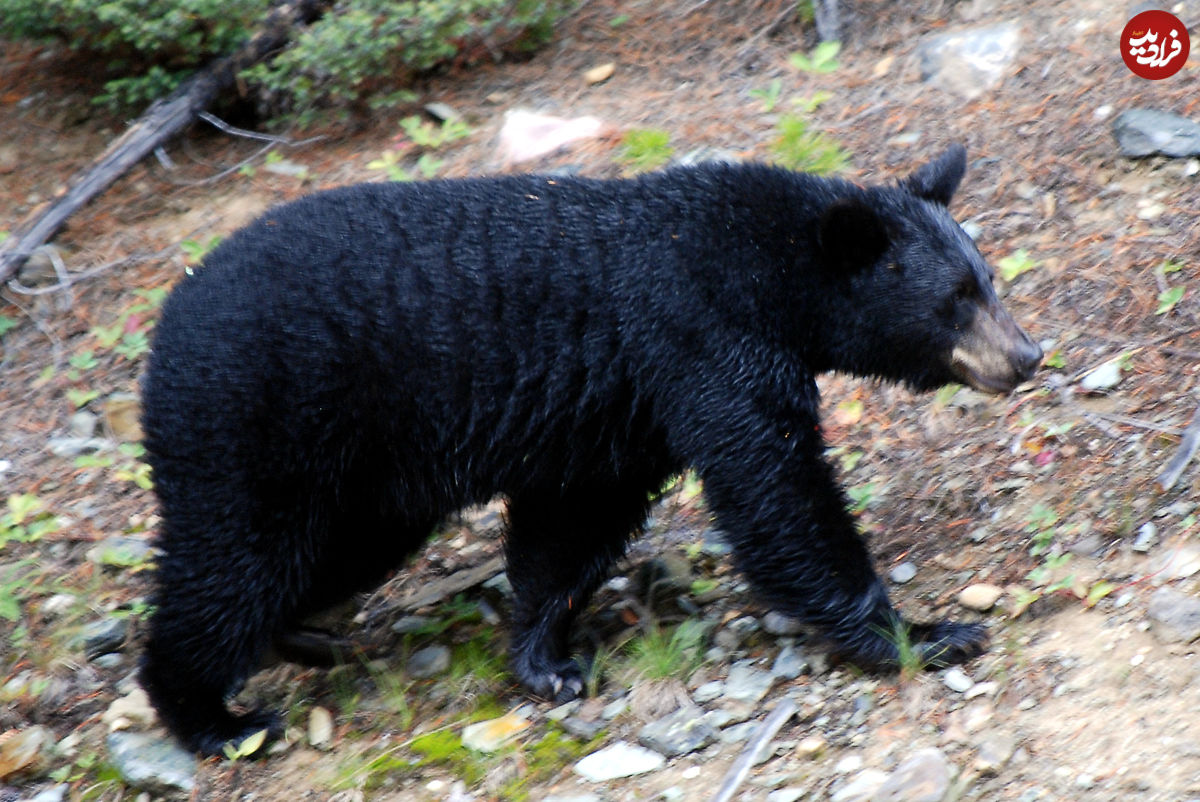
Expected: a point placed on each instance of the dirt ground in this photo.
(1099, 701)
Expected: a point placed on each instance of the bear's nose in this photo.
(1028, 357)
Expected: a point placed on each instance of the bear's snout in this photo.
(994, 354)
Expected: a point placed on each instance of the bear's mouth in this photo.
(981, 381)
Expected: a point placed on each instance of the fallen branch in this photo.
(1187, 449)
(741, 768)
(160, 122)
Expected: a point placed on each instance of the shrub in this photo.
(354, 51)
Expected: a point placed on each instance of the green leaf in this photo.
(1098, 591)
(1015, 264)
(821, 59)
(1168, 298)
(1056, 360)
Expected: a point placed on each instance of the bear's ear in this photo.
(937, 180)
(851, 235)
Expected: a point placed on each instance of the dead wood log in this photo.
(160, 122)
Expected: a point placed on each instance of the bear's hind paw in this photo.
(229, 737)
(948, 642)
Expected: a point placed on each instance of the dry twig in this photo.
(1187, 449)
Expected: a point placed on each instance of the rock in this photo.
(135, 708)
(600, 73)
(102, 637)
(320, 728)
(1147, 536)
(527, 135)
(785, 795)
(957, 680)
(573, 798)
(621, 759)
(777, 624)
(1178, 614)
(969, 62)
(708, 691)
(58, 605)
(1105, 377)
(981, 596)
(924, 777)
(1144, 132)
(152, 763)
(679, 733)
(902, 573)
(995, 750)
(442, 112)
(811, 747)
(286, 167)
(789, 664)
(583, 729)
(83, 424)
(23, 750)
(412, 623)
(121, 551)
(55, 793)
(746, 684)
(704, 155)
(70, 447)
(429, 662)
(123, 416)
(489, 736)
(860, 789)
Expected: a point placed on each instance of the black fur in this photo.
(353, 367)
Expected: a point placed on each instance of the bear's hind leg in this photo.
(560, 547)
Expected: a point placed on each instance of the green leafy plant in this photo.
(1016, 263)
(7, 324)
(661, 654)
(821, 59)
(1056, 360)
(644, 149)
(1168, 298)
(26, 520)
(129, 336)
(769, 95)
(797, 147)
(862, 496)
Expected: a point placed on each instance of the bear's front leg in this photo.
(561, 545)
(793, 537)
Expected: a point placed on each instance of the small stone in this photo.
(1105, 377)
(995, 750)
(747, 684)
(489, 736)
(789, 663)
(563, 710)
(442, 112)
(22, 751)
(1144, 132)
(981, 596)
(134, 708)
(957, 680)
(286, 167)
(55, 793)
(152, 763)
(924, 777)
(121, 551)
(679, 733)
(123, 415)
(102, 637)
(621, 759)
(848, 764)
(708, 691)
(69, 447)
(811, 747)
(969, 62)
(583, 729)
(412, 623)
(600, 73)
(58, 605)
(903, 573)
(1177, 613)
(776, 623)
(320, 728)
(785, 795)
(861, 788)
(83, 424)
(429, 662)
(1147, 536)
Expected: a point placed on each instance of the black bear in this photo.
(355, 366)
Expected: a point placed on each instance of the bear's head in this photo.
(916, 297)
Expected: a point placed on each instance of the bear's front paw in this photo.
(881, 645)
(557, 680)
(234, 731)
(948, 642)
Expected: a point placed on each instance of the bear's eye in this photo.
(965, 291)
